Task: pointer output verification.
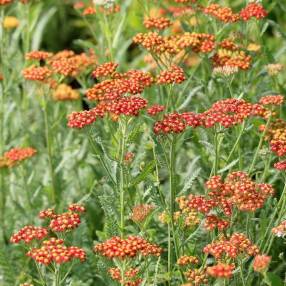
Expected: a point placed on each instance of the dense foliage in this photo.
(142, 142)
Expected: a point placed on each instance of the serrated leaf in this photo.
(143, 175)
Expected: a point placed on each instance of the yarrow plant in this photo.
(165, 120)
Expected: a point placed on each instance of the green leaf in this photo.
(142, 176)
(272, 279)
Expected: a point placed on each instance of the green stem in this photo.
(49, 149)
(259, 145)
(216, 145)
(122, 177)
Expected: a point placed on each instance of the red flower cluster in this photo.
(5, 2)
(213, 222)
(253, 10)
(81, 119)
(29, 233)
(130, 276)
(237, 244)
(155, 109)
(224, 14)
(117, 247)
(272, 100)
(54, 250)
(157, 23)
(261, 263)
(176, 123)
(65, 222)
(281, 166)
(171, 76)
(221, 270)
(104, 70)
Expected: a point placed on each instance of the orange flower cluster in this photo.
(64, 92)
(261, 263)
(38, 55)
(132, 82)
(16, 155)
(105, 70)
(280, 230)
(132, 246)
(253, 9)
(214, 222)
(238, 189)
(196, 277)
(229, 54)
(272, 100)
(109, 9)
(221, 270)
(5, 2)
(157, 23)
(189, 217)
(54, 250)
(29, 233)
(185, 260)
(65, 63)
(140, 212)
(236, 245)
(224, 14)
(130, 276)
(174, 75)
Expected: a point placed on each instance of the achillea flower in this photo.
(255, 10)
(132, 246)
(10, 22)
(104, 70)
(141, 212)
(221, 270)
(29, 233)
(65, 222)
(280, 230)
(204, 43)
(214, 222)
(130, 276)
(155, 109)
(171, 123)
(281, 166)
(54, 250)
(224, 14)
(261, 263)
(196, 277)
(26, 284)
(89, 11)
(48, 213)
(201, 204)
(272, 100)
(16, 155)
(274, 69)
(185, 260)
(81, 119)
(129, 106)
(174, 75)
(65, 92)
(278, 147)
(157, 23)
(38, 55)
(5, 2)
(76, 208)
(37, 73)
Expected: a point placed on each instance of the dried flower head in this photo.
(140, 212)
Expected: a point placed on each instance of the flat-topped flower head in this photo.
(272, 100)
(221, 270)
(130, 247)
(280, 230)
(253, 9)
(65, 222)
(29, 233)
(261, 263)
